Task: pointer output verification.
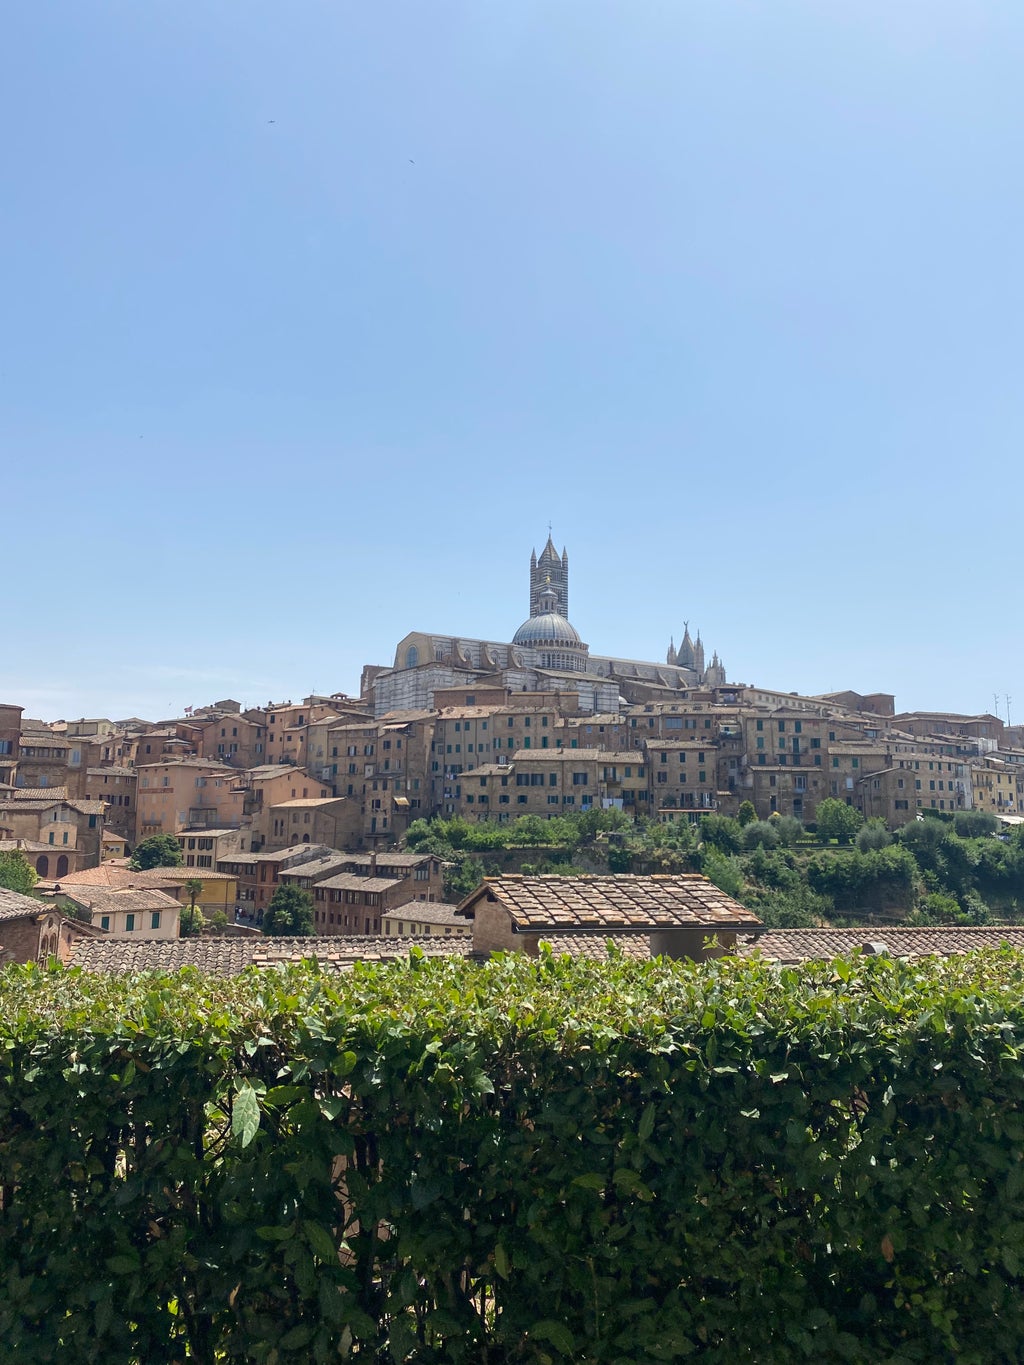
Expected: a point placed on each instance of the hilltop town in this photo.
(322, 792)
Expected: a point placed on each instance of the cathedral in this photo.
(545, 654)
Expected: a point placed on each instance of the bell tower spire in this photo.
(550, 570)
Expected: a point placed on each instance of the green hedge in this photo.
(528, 1161)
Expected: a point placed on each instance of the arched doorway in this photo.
(62, 865)
(43, 865)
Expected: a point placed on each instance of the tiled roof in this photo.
(111, 770)
(591, 946)
(352, 881)
(317, 867)
(804, 945)
(563, 755)
(600, 904)
(275, 855)
(102, 900)
(427, 912)
(25, 846)
(305, 802)
(226, 956)
(39, 793)
(389, 859)
(126, 877)
(13, 905)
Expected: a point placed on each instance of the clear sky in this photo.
(314, 314)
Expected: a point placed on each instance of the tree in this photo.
(836, 820)
(746, 814)
(17, 873)
(159, 850)
(873, 835)
(461, 876)
(760, 834)
(192, 921)
(975, 824)
(290, 912)
(722, 832)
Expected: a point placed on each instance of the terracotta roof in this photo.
(590, 946)
(389, 859)
(426, 912)
(315, 867)
(226, 956)
(126, 877)
(305, 802)
(353, 881)
(804, 945)
(600, 904)
(39, 793)
(25, 846)
(102, 900)
(13, 905)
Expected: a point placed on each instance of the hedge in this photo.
(529, 1161)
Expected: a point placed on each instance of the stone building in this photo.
(546, 653)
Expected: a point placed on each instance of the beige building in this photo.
(683, 774)
(147, 913)
(42, 756)
(71, 831)
(217, 891)
(994, 786)
(187, 793)
(207, 848)
(425, 921)
(116, 787)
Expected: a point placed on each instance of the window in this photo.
(129, 922)
(104, 921)
(154, 920)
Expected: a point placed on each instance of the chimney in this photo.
(373, 863)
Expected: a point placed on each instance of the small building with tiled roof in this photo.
(32, 931)
(420, 919)
(141, 912)
(218, 890)
(678, 914)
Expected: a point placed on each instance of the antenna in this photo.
(1008, 700)
(995, 698)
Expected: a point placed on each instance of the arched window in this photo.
(412, 657)
(43, 865)
(62, 865)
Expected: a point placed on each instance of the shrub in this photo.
(873, 835)
(760, 834)
(721, 832)
(975, 824)
(577, 1161)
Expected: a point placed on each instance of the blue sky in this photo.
(314, 315)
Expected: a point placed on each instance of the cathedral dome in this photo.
(549, 628)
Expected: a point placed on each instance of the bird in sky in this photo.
(271, 120)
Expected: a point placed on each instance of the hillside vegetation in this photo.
(932, 871)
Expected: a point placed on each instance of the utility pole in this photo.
(995, 699)
(1008, 700)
